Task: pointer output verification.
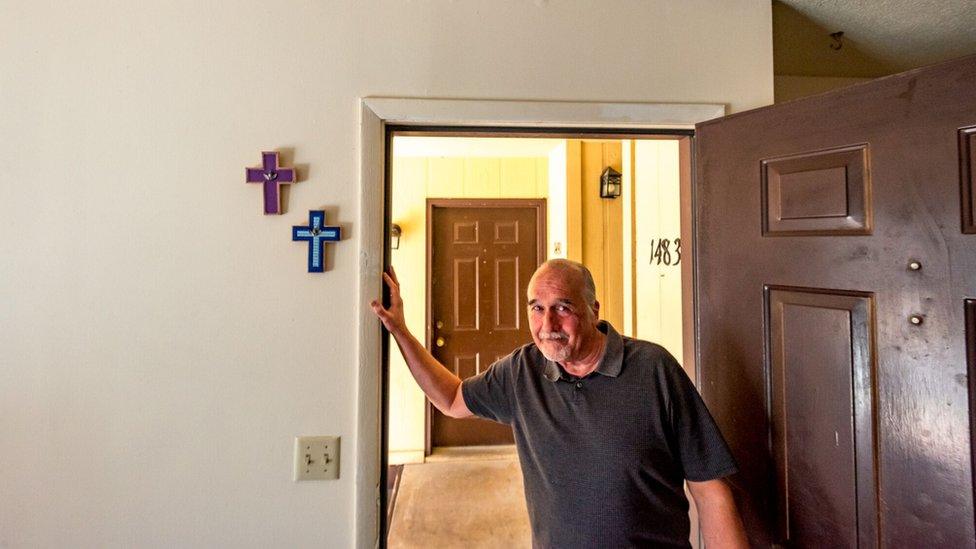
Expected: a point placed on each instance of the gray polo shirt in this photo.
(604, 457)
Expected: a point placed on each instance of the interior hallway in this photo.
(462, 497)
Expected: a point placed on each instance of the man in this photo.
(607, 428)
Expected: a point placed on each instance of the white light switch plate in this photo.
(316, 458)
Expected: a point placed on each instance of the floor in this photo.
(461, 497)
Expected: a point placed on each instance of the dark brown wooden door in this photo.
(835, 255)
(482, 254)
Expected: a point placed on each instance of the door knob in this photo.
(440, 342)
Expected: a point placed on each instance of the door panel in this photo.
(848, 411)
(507, 297)
(967, 179)
(482, 254)
(823, 192)
(821, 377)
(970, 323)
(466, 286)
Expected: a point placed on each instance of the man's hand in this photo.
(392, 317)
(441, 386)
(720, 523)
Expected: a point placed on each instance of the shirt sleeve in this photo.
(488, 394)
(702, 450)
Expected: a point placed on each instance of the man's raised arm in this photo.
(441, 386)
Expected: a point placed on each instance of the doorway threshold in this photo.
(472, 453)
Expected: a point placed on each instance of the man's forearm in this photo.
(437, 382)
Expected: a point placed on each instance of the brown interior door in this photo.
(835, 254)
(481, 256)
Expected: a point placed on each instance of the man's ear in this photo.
(596, 309)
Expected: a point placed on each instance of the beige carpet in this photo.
(464, 498)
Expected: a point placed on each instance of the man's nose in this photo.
(548, 320)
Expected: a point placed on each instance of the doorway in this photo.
(535, 198)
(377, 116)
(855, 283)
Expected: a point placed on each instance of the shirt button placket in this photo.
(578, 395)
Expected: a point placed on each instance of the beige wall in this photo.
(415, 179)
(161, 341)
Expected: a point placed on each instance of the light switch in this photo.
(316, 458)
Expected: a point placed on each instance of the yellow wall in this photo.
(657, 288)
(612, 237)
(557, 202)
(600, 222)
(414, 180)
(629, 325)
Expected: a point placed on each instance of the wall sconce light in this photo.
(610, 183)
(395, 237)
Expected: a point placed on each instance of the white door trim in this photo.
(376, 113)
(464, 112)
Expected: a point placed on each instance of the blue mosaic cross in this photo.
(315, 234)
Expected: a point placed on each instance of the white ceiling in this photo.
(880, 36)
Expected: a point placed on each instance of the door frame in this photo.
(377, 116)
(539, 204)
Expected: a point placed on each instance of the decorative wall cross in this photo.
(315, 234)
(272, 177)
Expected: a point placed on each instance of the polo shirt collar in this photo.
(610, 365)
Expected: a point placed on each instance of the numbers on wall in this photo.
(665, 251)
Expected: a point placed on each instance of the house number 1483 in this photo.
(665, 251)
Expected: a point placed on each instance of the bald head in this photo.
(575, 274)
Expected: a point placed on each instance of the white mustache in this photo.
(553, 335)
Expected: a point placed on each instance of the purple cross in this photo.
(272, 176)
